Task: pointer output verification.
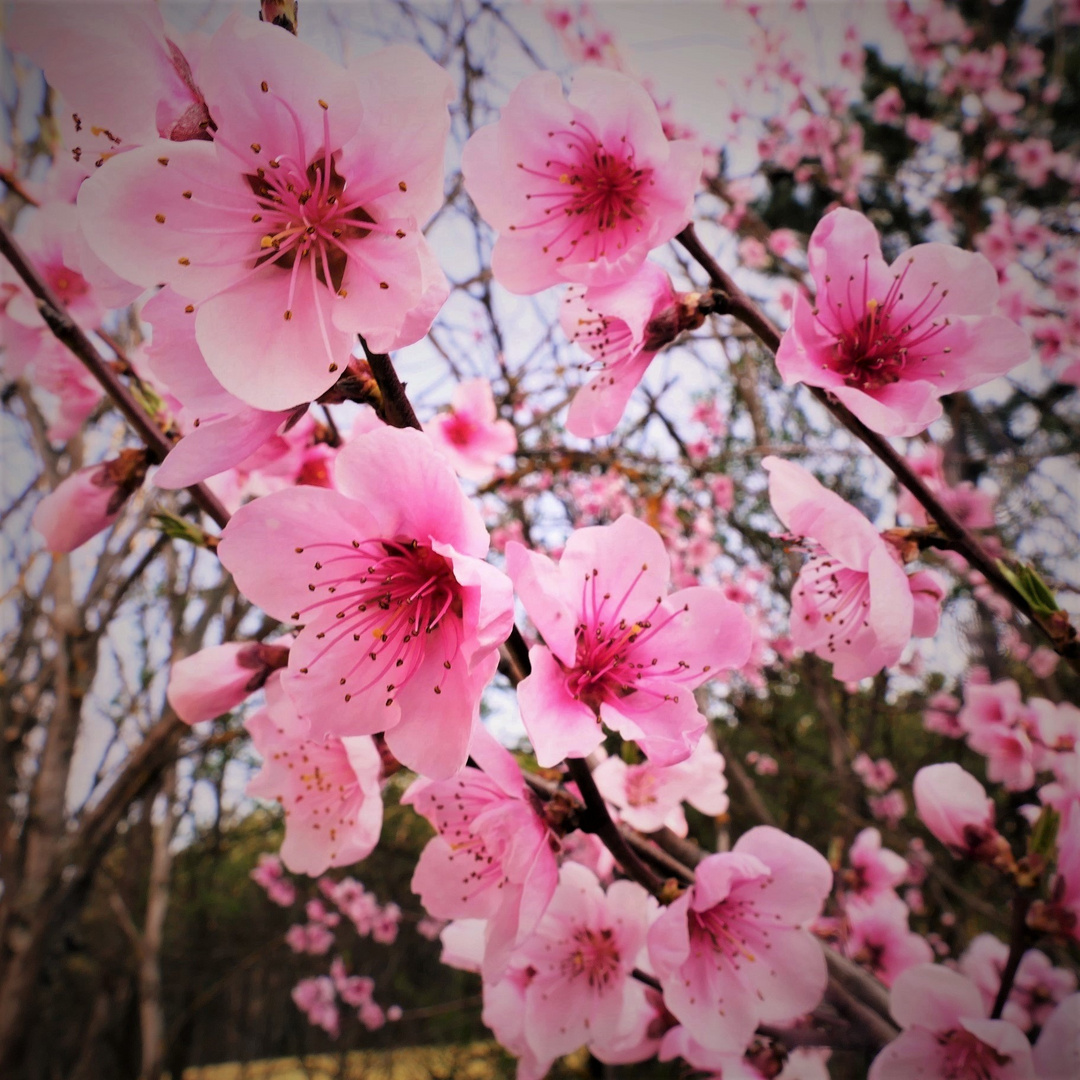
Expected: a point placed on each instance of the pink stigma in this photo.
(595, 955)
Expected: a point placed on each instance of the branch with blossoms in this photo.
(276, 202)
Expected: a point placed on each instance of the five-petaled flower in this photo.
(401, 615)
(889, 341)
(298, 226)
(616, 649)
(582, 189)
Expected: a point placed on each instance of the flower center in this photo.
(594, 955)
(459, 429)
(967, 1058)
(873, 347)
(397, 599)
(835, 595)
(613, 655)
(720, 928)
(586, 194)
(640, 786)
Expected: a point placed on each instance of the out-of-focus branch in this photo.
(736, 303)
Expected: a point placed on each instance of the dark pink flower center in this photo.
(396, 599)
(608, 341)
(586, 194)
(873, 347)
(614, 654)
(594, 955)
(68, 285)
(964, 1057)
(460, 430)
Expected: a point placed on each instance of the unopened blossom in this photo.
(874, 869)
(622, 327)
(889, 341)
(1038, 985)
(469, 434)
(579, 189)
(616, 649)
(493, 857)
(853, 603)
(329, 788)
(298, 226)
(582, 954)
(879, 938)
(212, 681)
(732, 951)
(88, 501)
(946, 1033)
(401, 615)
(650, 797)
(954, 806)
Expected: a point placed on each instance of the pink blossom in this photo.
(329, 789)
(494, 855)
(649, 797)
(731, 952)
(316, 998)
(582, 953)
(954, 806)
(878, 936)
(876, 775)
(402, 617)
(213, 681)
(946, 1032)
(88, 501)
(621, 326)
(298, 226)
(384, 929)
(1037, 988)
(1057, 1052)
(874, 869)
(852, 603)
(997, 723)
(887, 342)
(970, 506)
(505, 1013)
(888, 106)
(1033, 160)
(469, 435)
(616, 651)
(371, 1015)
(312, 938)
(268, 875)
(355, 990)
(890, 807)
(582, 189)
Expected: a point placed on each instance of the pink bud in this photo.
(954, 806)
(215, 680)
(88, 501)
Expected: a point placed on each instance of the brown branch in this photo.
(736, 303)
(67, 331)
(1017, 947)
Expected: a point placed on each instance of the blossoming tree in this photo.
(652, 497)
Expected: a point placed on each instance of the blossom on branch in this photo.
(579, 189)
(616, 650)
(853, 604)
(732, 951)
(401, 615)
(298, 226)
(469, 434)
(889, 341)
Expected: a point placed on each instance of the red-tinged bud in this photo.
(89, 501)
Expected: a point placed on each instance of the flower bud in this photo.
(215, 680)
(88, 501)
(954, 806)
